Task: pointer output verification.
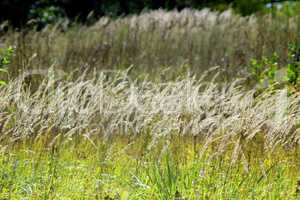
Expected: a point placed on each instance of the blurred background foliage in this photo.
(42, 12)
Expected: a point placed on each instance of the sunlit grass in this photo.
(123, 169)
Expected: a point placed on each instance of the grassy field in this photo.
(156, 106)
(124, 168)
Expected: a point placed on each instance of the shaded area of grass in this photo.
(153, 40)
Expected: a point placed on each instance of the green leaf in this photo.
(3, 83)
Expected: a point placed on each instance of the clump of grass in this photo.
(110, 105)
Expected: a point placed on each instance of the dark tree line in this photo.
(17, 11)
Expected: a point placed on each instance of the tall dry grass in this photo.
(97, 103)
(227, 115)
(200, 39)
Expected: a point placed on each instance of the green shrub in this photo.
(45, 12)
(5, 59)
(247, 7)
(267, 68)
(264, 69)
(293, 68)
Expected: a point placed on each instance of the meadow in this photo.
(161, 105)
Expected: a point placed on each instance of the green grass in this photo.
(123, 168)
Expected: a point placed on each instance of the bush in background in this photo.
(46, 11)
